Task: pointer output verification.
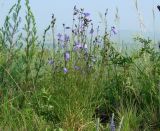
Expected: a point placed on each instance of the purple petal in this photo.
(77, 46)
(59, 35)
(113, 30)
(67, 56)
(91, 31)
(50, 61)
(66, 38)
(65, 70)
(86, 14)
(76, 67)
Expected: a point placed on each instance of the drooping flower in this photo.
(75, 32)
(77, 46)
(113, 30)
(59, 35)
(86, 14)
(50, 61)
(76, 67)
(66, 38)
(86, 21)
(91, 31)
(65, 70)
(66, 56)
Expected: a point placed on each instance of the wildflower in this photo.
(99, 41)
(76, 67)
(75, 32)
(66, 56)
(77, 46)
(50, 61)
(86, 21)
(113, 30)
(112, 125)
(91, 31)
(65, 70)
(59, 37)
(86, 14)
(62, 46)
(66, 38)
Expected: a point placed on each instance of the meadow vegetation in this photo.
(83, 82)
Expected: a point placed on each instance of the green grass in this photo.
(36, 95)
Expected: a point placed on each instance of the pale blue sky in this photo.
(62, 9)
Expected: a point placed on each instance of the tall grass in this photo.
(83, 83)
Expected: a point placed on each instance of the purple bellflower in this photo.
(91, 31)
(113, 30)
(65, 70)
(76, 67)
(66, 38)
(77, 46)
(86, 14)
(59, 35)
(66, 56)
(50, 61)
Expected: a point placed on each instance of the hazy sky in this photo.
(62, 9)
